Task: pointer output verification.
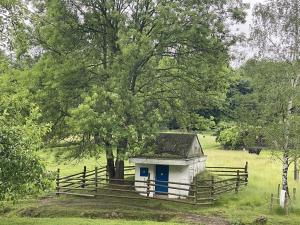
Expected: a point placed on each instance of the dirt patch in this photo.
(205, 220)
(5, 210)
(57, 211)
(126, 215)
(105, 215)
(30, 212)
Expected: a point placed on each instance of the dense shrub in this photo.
(230, 137)
(21, 171)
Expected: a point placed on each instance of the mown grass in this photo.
(73, 221)
(242, 208)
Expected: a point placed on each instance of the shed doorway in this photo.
(162, 178)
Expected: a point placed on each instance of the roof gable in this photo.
(179, 145)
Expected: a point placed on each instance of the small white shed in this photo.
(177, 157)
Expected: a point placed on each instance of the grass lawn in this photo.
(73, 221)
(242, 208)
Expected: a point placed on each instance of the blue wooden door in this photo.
(162, 178)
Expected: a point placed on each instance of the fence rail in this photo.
(92, 183)
(237, 172)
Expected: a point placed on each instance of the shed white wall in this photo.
(195, 148)
(142, 186)
(184, 174)
(197, 166)
(177, 173)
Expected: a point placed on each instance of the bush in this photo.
(231, 137)
(21, 171)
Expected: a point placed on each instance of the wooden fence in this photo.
(230, 171)
(92, 183)
(275, 200)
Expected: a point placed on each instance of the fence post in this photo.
(278, 191)
(246, 172)
(148, 185)
(195, 191)
(106, 174)
(237, 181)
(271, 203)
(212, 190)
(96, 179)
(83, 177)
(296, 170)
(294, 194)
(57, 182)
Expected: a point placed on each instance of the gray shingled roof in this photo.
(173, 145)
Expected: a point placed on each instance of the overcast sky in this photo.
(245, 27)
(242, 51)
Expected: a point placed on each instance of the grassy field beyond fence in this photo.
(264, 177)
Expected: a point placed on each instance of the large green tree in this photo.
(110, 73)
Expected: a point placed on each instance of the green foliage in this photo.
(113, 75)
(230, 137)
(275, 99)
(272, 108)
(265, 109)
(21, 172)
(21, 136)
(109, 74)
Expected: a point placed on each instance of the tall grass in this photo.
(55, 158)
(264, 177)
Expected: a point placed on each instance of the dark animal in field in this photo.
(254, 150)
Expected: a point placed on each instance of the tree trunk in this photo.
(285, 169)
(119, 169)
(120, 159)
(110, 163)
(286, 153)
(296, 170)
(97, 139)
(285, 158)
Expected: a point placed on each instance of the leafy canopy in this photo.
(119, 70)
